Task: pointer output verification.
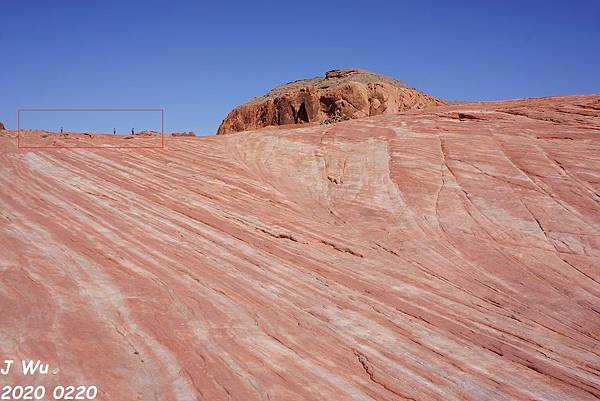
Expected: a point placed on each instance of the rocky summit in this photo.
(340, 95)
(450, 253)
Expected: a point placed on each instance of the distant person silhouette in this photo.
(132, 133)
(114, 131)
(61, 130)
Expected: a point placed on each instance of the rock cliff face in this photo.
(2, 128)
(340, 95)
(445, 254)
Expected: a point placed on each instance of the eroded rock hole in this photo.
(300, 116)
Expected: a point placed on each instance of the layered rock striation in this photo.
(444, 254)
(340, 95)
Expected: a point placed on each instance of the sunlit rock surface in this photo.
(339, 95)
(445, 254)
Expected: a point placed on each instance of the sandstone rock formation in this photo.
(2, 127)
(185, 133)
(147, 133)
(31, 139)
(340, 95)
(445, 254)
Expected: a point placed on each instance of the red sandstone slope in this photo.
(449, 254)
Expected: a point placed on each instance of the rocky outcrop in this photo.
(185, 133)
(340, 95)
(147, 133)
(156, 133)
(444, 254)
(2, 127)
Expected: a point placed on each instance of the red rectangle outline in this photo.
(162, 131)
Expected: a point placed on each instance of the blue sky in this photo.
(199, 60)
